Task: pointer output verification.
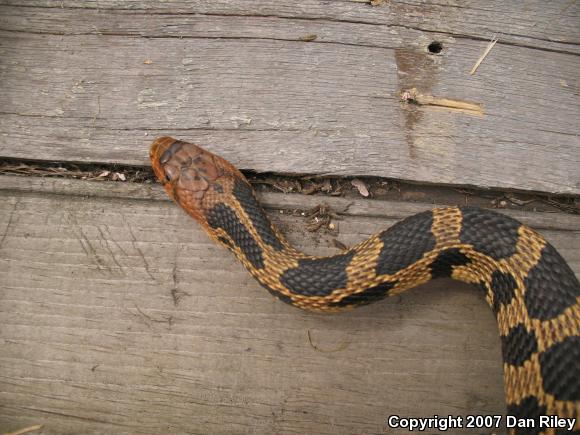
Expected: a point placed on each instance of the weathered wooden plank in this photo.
(119, 315)
(97, 85)
(532, 24)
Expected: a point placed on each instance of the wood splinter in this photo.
(412, 96)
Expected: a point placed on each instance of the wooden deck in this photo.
(118, 315)
(96, 80)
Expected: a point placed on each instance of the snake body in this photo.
(532, 291)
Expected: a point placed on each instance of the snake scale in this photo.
(532, 291)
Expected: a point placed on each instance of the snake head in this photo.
(193, 177)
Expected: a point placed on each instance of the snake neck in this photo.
(532, 292)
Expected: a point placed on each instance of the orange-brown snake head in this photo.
(193, 177)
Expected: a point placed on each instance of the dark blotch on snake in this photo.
(405, 243)
(221, 216)
(551, 286)
(528, 408)
(243, 193)
(518, 346)
(442, 266)
(503, 286)
(319, 276)
(562, 384)
(490, 233)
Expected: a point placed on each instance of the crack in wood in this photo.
(10, 222)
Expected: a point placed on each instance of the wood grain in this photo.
(97, 82)
(118, 315)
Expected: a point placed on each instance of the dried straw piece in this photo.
(491, 44)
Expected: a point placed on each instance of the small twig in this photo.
(25, 430)
(517, 201)
(370, 2)
(564, 207)
(342, 346)
(309, 38)
(491, 44)
(338, 244)
(168, 320)
(97, 115)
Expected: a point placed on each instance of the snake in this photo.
(532, 291)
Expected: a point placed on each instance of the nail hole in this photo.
(435, 47)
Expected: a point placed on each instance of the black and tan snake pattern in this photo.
(533, 293)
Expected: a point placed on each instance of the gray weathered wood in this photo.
(118, 315)
(532, 24)
(98, 82)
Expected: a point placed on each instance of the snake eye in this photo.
(171, 172)
(165, 157)
(169, 152)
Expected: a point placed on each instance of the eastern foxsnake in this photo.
(533, 293)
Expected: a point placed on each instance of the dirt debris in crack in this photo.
(397, 190)
(378, 188)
